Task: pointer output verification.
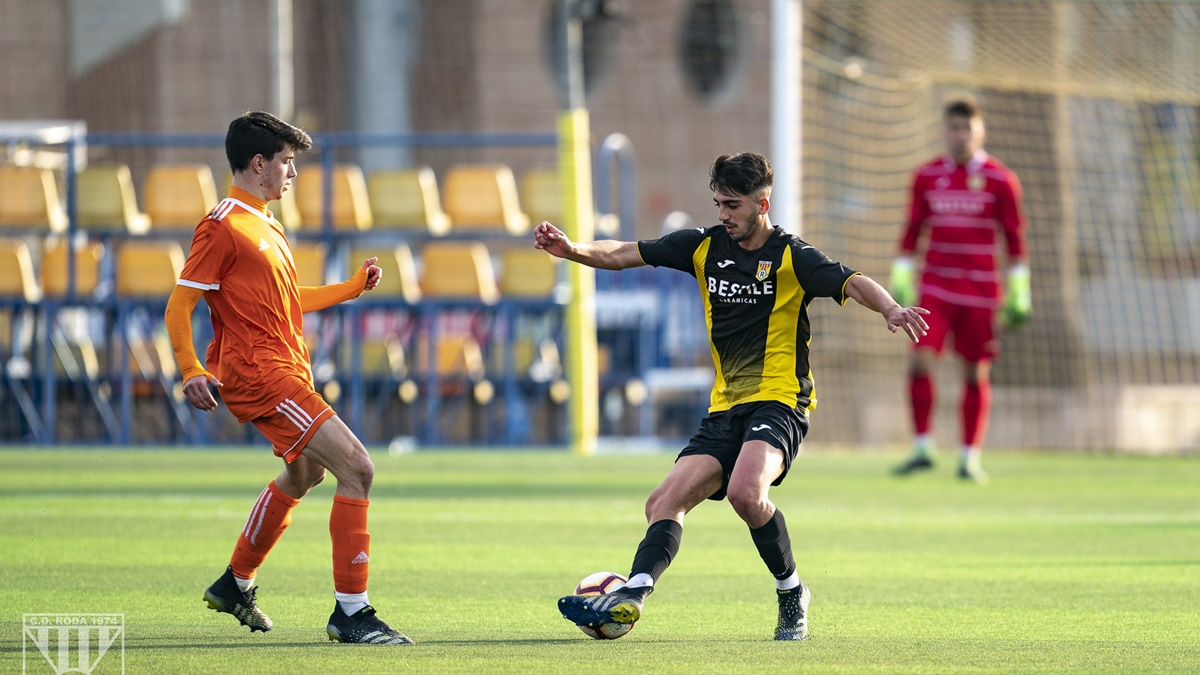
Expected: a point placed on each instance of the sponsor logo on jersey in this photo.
(956, 203)
(764, 270)
(724, 263)
(740, 293)
(976, 182)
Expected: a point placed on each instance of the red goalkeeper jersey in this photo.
(962, 207)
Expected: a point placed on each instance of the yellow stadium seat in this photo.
(459, 356)
(351, 206)
(29, 199)
(458, 270)
(541, 195)
(87, 269)
(178, 195)
(399, 281)
(17, 279)
(148, 269)
(384, 358)
(527, 273)
(76, 356)
(484, 197)
(310, 263)
(407, 199)
(106, 201)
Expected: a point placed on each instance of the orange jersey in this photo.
(242, 261)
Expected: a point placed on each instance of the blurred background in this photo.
(438, 143)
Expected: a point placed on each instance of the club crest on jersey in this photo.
(976, 182)
(764, 270)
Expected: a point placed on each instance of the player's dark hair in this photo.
(260, 133)
(963, 108)
(745, 173)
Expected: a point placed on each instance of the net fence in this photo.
(1093, 105)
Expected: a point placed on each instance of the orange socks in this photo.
(271, 515)
(351, 544)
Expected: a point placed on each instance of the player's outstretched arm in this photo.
(605, 254)
(871, 295)
(178, 319)
(316, 298)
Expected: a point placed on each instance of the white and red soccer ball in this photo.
(600, 583)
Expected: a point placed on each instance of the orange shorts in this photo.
(293, 422)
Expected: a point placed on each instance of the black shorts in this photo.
(722, 434)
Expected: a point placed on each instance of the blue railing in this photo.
(631, 327)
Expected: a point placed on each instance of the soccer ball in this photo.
(600, 583)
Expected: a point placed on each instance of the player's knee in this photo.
(653, 504)
(661, 505)
(355, 474)
(747, 501)
(367, 472)
(364, 472)
(974, 373)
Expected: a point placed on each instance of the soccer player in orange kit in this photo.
(241, 264)
(962, 200)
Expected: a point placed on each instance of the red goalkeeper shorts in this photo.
(974, 329)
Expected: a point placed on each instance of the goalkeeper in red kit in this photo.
(960, 201)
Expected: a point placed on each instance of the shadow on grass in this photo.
(463, 492)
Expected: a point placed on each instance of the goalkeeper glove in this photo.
(1017, 302)
(901, 284)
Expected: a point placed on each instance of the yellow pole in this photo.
(575, 176)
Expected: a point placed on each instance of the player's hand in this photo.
(196, 391)
(911, 319)
(374, 273)
(551, 240)
(901, 285)
(1018, 302)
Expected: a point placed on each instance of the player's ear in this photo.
(258, 162)
(764, 205)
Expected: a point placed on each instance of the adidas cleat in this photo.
(793, 613)
(225, 596)
(363, 627)
(588, 610)
(913, 465)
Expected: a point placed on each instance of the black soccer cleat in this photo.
(363, 627)
(793, 613)
(913, 464)
(971, 471)
(621, 606)
(225, 596)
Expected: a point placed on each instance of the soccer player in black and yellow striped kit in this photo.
(756, 282)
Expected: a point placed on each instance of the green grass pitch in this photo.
(1062, 563)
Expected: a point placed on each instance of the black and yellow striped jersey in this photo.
(756, 308)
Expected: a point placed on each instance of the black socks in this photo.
(657, 549)
(775, 546)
